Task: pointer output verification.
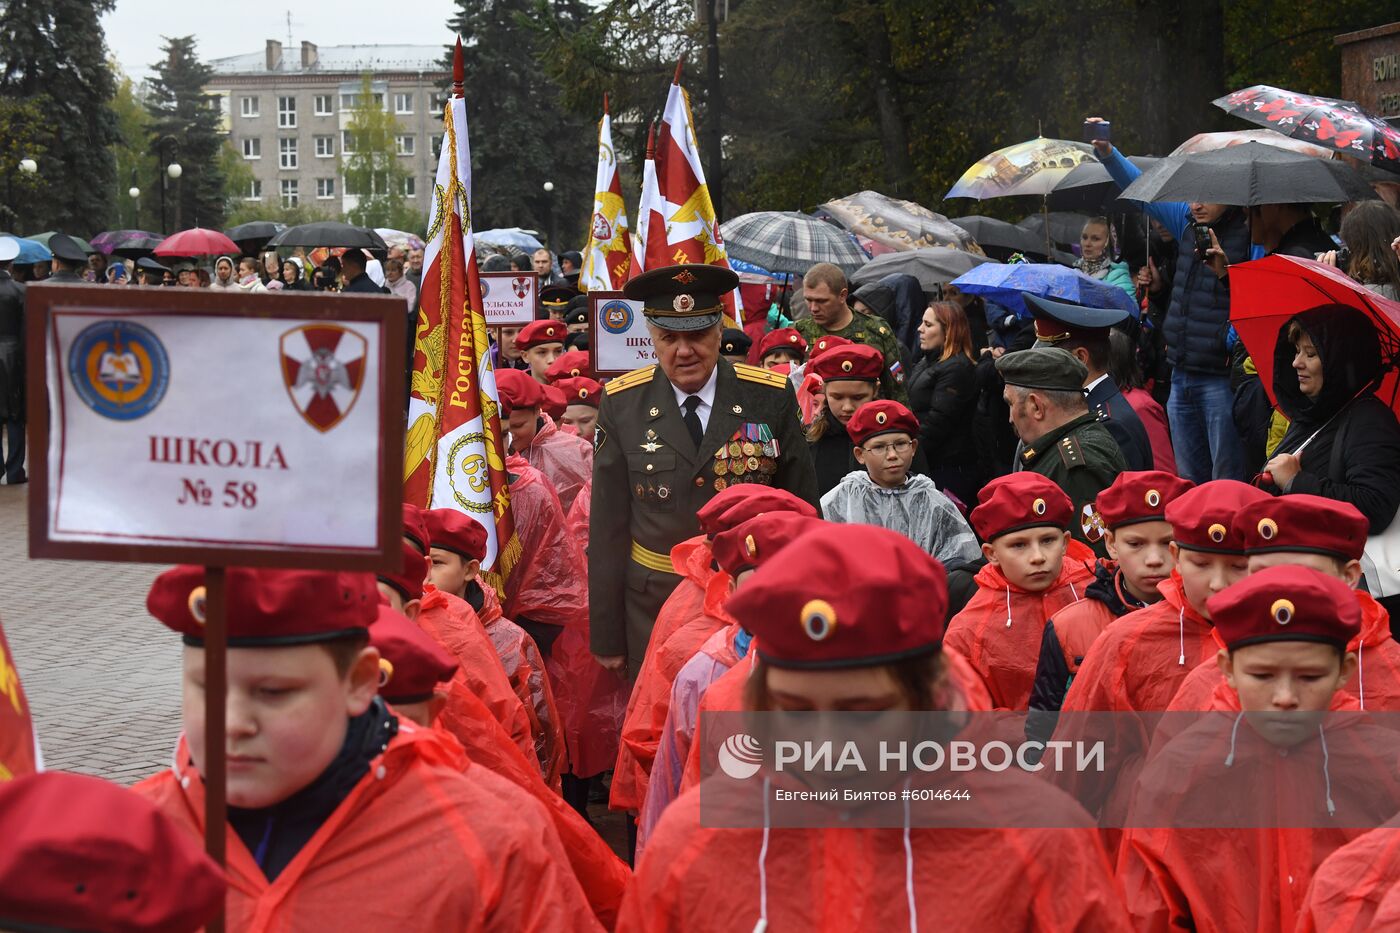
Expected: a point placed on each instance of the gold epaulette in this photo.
(637, 377)
(762, 376)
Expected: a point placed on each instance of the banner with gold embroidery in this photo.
(609, 251)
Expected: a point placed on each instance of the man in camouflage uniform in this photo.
(668, 438)
(824, 290)
(1061, 439)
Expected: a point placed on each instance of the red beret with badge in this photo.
(1302, 523)
(82, 853)
(882, 416)
(411, 662)
(518, 389)
(743, 501)
(783, 340)
(539, 333)
(269, 607)
(816, 608)
(1202, 518)
(415, 527)
(457, 532)
(1140, 496)
(1018, 501)
(751, 543)
(856, 362)
(414, 570)
(554, 402)
(827, 342)
(570, 364)
(580, 390)
(1286, 603)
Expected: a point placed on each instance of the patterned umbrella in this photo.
(1032, 167)
(1004, 285)
(786, 241)
(402, 238)
(108, 241)
(510, 236)
(896, 225)
(1209, 142)
(1339, 125)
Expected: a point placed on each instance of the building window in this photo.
(252, 147)
(439, 101)
(287, 112)
(403, 145)
(351, 101)
(403, 103)
(325, 188)
(250, 107)
(347, 142)
(289, 192)
(287, 153)
(410, 187)
(437, 147)
(324, 107)
(254, 191)
(325, 147)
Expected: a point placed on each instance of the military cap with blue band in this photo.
(685, 297)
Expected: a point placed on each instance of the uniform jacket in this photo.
(1083, 459)
(649, 479)
(1107, 404)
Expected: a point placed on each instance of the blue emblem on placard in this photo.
(615, 317)
(119, 369)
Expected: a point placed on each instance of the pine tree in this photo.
(181, 111)
(372, 172)
(53, 55)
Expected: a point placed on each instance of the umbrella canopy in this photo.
(402, 238)
(933, 266)
(1251, 173)
(1265, 293)
(31, 251)
(254, 235)
(1209, 142)
(329, 233)
(896, 224)
(1032, 167)
(108, 241)
(1062, 226)
(197, 241)
(1004, 285)
(1088, 186)
(137, 245)
(1001, 234)
(43, 238)
(786, 241)
(510, 236)
(1337, 125)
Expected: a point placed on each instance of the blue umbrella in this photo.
(1004, 284)
(31, 252)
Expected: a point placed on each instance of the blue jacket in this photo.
(1199, 313)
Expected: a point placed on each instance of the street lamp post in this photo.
(549, 214)
(172, 170)
(28, 167)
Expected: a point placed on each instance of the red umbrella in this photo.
(1265, 293)
(1339, 125)
(197, 242)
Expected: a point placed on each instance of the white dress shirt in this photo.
(707, 399)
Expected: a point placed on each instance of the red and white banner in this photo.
(609, 252)
(649, 251)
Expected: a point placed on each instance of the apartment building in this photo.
(288, 116)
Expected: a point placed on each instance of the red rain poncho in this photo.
(416, 837)
(1000, 630)
(525, 667)
(566, 460)
(550, 585)
(692, 558)
(455, 626)
(1348, 889)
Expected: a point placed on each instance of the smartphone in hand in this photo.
(1095, 130)
(1202, 237)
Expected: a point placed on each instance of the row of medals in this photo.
(739, 457)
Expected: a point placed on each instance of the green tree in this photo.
(53, 55)
(135, 166)
(23, 135)
(181, 112)
(373, 173)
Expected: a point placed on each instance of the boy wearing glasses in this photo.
(885, 494)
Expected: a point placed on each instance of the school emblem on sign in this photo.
(119, 369)
(323, 366)
(615, 316)
(520, 286)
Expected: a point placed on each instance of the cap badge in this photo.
(386, 671)
(1282, 611)
(847, 366)
(683, 303)
(685, 277)
(818, 619)
(1039, 507)
(750, 548)
(1153, 498)
(197, 603)
(792, 339)
(583, 393)
(881, 417)
(1216, 532)
(1267, 528)
(574, 371)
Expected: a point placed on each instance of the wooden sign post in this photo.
(176, 425)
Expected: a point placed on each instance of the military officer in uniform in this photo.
(1061, 439)
(824, 289)
(1084, 332)
(669, 437)
(68, 259)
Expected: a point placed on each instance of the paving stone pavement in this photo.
(102, 676)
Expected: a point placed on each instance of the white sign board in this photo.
(619, 341)
(509, 298)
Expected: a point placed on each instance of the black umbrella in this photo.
(1064, 226)
(933, 266)
(253, 236)
(134, 247)
(999, 234)
(1248, 174)
(1088, 186)
(330, 233)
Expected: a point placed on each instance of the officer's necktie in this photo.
(692, 419)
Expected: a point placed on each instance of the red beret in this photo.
(554, 401)
(881, 417)
(1286, 603)
(818, 608)
(81, 853)
(855, 362)
(786, 339)
(572, 363)
(1201, 518)
(751, 543)
(268, 607)
(1304, 523)
(743, 501)
(538, 333)
(457, 532)
(1139, 497)
(518, 389)
(580, 390)
(411, 663)
(1018, 501)
(409, 580)
(827, 342)
(415, 527)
